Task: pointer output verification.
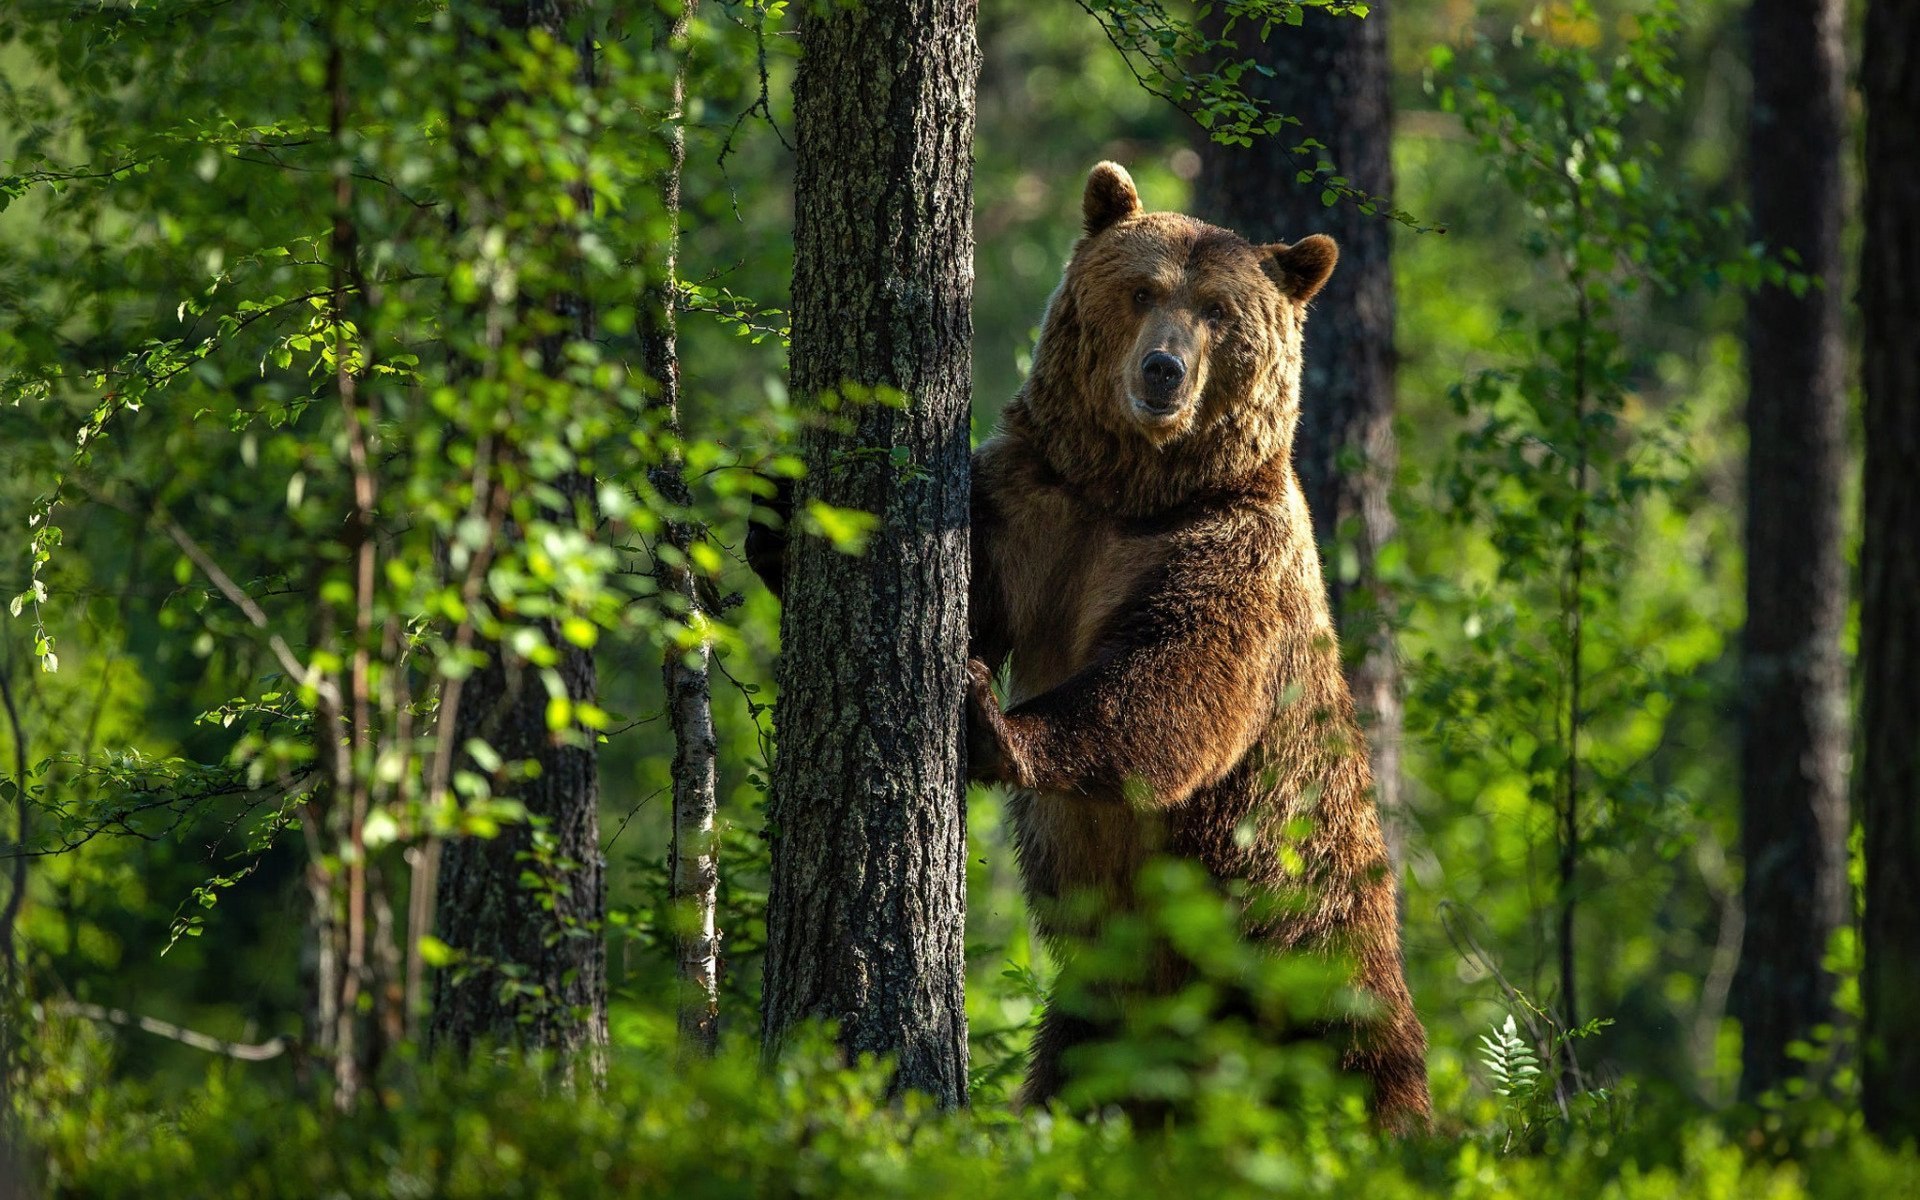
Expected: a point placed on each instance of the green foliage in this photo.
(728, 1128)
(1231, 1035)
(355, 365)
(1554, 649)
(170, 351)
(1514, 1066)
(1532, 1106)
(1195, 62)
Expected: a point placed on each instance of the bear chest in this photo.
(1066, 578)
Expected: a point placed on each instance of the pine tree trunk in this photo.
(1332, 73)
(693, 866)
(535, 971)
(1890, 572)
(1793, 677)
(866, 916)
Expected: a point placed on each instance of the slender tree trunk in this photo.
(13, 1007)
(866, 916)
(17, 868)
(535, 970)
(1793, 677)
(1332, 73)
(351, 1015)
(1890, 572)
(694, 866)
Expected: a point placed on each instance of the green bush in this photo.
(501, 1129)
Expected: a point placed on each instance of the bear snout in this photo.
(1159, 391)
(1162, 373)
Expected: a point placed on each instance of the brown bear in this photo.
(1143, 555)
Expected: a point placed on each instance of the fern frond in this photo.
(1511, 1062)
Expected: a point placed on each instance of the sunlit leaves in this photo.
(1577, 623)
(497, 199)
(848, 529)
(1189, 60)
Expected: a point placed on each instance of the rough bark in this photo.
(693, 866)
(536, 971)
(528, 920)
(1890, 572)
(867, 909)
(1332, 73)
(1793, 677)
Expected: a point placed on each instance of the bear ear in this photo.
(1301, 269)
(1110, 197)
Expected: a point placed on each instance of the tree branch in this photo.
(244, 1051)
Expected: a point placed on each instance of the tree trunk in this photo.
(525, 909)
(17, 868)
(534, 973)
(866, 916)
(693, 866)
(1793, 676)
(13, 1008)
(1890, 572)
(1332, 73)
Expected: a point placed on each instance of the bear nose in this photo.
(1163, 373)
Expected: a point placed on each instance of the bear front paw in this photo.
(991, 757)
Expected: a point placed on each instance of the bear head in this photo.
(1168, 363)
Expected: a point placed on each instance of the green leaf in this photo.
(436, 953)
(847, 528)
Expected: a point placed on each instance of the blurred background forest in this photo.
(158, 150)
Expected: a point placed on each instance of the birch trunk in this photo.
(694, 866)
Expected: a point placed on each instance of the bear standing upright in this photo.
(1143, 554)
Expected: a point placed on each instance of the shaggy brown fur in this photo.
(1143, 553)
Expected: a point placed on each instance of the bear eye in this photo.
(1216, 313)
(1143, 297)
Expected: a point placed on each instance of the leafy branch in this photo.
(1193, 64)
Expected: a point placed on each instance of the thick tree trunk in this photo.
(1793, 677)
(866, 917)
(526, 909)
(1332, 73)
(693, 866)
(1890, 572)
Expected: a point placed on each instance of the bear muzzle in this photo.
(1158, 391)
(1162, 373)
